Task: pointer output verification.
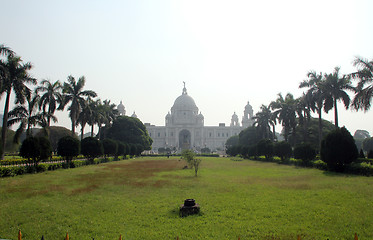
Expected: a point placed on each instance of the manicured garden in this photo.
(140, 198)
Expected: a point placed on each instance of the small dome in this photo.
(134, 115)
(121, 109)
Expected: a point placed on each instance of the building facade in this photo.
(184, 128)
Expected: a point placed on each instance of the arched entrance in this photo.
(184, 139)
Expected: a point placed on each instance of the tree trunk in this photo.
(92, 130)
(72, 127)
(82, 132)
(5, 122)
(335, 113)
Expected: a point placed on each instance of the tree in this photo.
(338, 149)
(74, 93)
(315, 97)
(68, 147)
(130, 131)
(368, 144)
(265, 147)
(285, 112)
(304, 151)
(264, 120)
(364, 89)
(107, 113)
(45, 148)
(283, 150)
(51, 97)
(91, 148)
(335, 88)
(26, 116)
(110, 147)
(86, 116)
(15, 77)
(5, 51)
(30, 149)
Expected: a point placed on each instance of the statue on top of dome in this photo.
(184, 90)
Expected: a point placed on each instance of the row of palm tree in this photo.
(38, 106)
(323, 92)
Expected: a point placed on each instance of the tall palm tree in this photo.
(315, 95)
(285, 112)
(4, 51)
(335, 88)
(28, 117)
(107, 112)
(51, 97)
(86, 115)
(303, 110)
(74, 93)
(364, 94)
(264, 121)
(16, 78)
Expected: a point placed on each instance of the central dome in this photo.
(185, 102)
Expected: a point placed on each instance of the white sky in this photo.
(227, 52)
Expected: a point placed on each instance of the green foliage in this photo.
(232, 141)
(68, 147)
(305, 151)
(121, 149)
(30, 149)
(370, 154)
(249, 136)
(131, 131)
(265, 147)
(45, 148)
(188, 155)
(91, 148)
(110, 147)
(283, 150)
(338, 149)
(205, 150)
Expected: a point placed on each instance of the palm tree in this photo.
(73, 92)
(264, 121)
(51, 97)
(16, 78)
(285, 112)
(315, 95)
(364, 94)
(107, 112)
(86, 115)
(335, 88)
(4, 51)
(303, 110)
(26, 116)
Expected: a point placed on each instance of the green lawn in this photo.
(140, 199)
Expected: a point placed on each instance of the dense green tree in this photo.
(110, 147)
(364, 89)
(305, 151)
(68, 147)
(283, 150)
(338, 149)
(335, 88)
(51, 96)
(45, 148)
(265, 147)
(15, 76)
(121, 149)
(30, 149)
(75, 95)
(249, 136)
(131, 131)
(91, 148)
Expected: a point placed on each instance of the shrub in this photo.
(30, 149)
(265, 147)
(283, 150)
(45, 148)
(338, 149)
(110, 147)
(68, 147)
(91, 148)
(306, 152)
(188, 155)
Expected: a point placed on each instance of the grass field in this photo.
(140, 199)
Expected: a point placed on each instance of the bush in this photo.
(45, 148)
(110, 147)
(265, 147)
(91, 148)
(283, 150)
(188, 156)
(306, 152)
(30, 149)
(68, 147)
(338, 149)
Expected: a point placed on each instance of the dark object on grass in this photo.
(190, 207)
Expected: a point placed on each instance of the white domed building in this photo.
(184, 128)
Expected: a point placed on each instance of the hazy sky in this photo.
(227, 52)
